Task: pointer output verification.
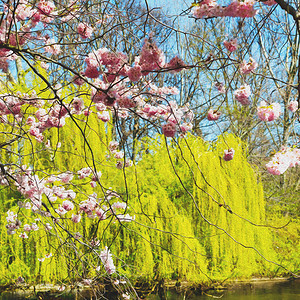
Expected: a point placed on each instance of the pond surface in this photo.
(282, 290)
(262, 290)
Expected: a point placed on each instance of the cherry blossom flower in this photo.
(267, 112)
(46, 7)
(104, 116)
(84, 172)
(175, 65)
(248, 67)
(107, 261)
(293, 106)
(242, 94)
(213, 115)
(68, 205)
(286, 158)
(27, 227)
(269, 2)
(169, 129)
(231, 45)
(220, 87)
(76, 218)
(23, 235)
(135, 73)
(52, 47)
(228, 154)
(84, 30)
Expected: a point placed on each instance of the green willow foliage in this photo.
(186, 200)
(169, 238)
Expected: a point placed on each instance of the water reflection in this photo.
(282, 290)
(263, 290)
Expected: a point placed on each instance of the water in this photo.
(287, 290)
(265, 290)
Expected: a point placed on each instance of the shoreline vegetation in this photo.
(160, 288)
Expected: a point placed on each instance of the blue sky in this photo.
(171, 6)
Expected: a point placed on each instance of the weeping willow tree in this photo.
(197, 217)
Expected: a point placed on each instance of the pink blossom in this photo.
(125, 102)
(44, 65)
(119, 155)
(92, 72)
(84, 30)
(34, 227)
(267, 112)
(104, 116)
(66, 177)
(286, 158)
(151, 58)
(78, 80)
(175, 65)
(210, 8)
(113, 146)
(45, 6)
(100, 106)
(36, 133)
(23, 12)
(185, 127)
(107, 261)
(213, 115)
(228, 154)
(128, 163)
(23, 235)
(76, 218)
(246, 68)
(270, 2)
(135, 73)
(84, 172)
(88, 206)
(169, 129)
(293, 106)
(61, 211)
(242, 94)
(100, 213)
(220, 87)
(52, 47)
(68, 205)
(231, 45)
(27, 227)
(119, 205)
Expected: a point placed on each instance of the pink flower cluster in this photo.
(231, 45)
(269, 2)
(228, 154)
(106, 258)
(248, 67)
(84, 30)
(267, 112)
(53, 117)
(13, 223)
(286, 158)
(113, 146)
(220, 87)
(116, 64)
(242, 94)
(293, 106)
(213, 115)
(237, 8)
